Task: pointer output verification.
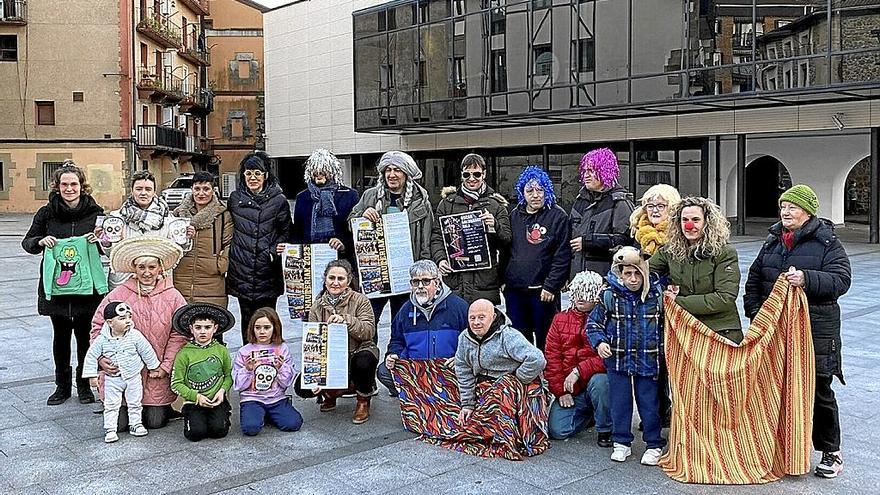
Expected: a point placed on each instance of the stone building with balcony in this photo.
(115, 86)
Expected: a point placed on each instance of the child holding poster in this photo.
(261, 372)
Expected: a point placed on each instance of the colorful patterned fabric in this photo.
(510, 419)
(741, 414)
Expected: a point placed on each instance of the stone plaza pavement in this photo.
(60, 449)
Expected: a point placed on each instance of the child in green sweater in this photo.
(202, 372)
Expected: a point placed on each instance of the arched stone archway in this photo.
(857, 192)
(766, 179)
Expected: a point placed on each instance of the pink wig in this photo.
(604, 162)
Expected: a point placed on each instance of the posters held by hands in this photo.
(465, 241)
(303, 266)
(324, 356)
(384, 254)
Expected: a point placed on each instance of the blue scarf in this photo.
(323, 211)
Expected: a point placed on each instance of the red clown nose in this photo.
(689, 225)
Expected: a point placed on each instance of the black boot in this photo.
(63, 383)
(83, 389)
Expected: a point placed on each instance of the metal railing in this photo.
(160, 136)
(160, 27)
(13, 11)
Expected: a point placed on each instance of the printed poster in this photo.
(303, 266)
(465, 241)
(324, 356)
(384, 254)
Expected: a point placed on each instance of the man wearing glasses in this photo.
(474, 195)
(428, 324)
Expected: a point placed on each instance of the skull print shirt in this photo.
(272, 373)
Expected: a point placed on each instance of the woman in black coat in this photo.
(70, 212)
(805, 248)
(261, 216)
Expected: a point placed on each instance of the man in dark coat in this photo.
(600, 214)
(322, 209)
(805, 248)
(261, 215)
(474, 195)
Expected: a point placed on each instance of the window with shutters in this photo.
(45, 112)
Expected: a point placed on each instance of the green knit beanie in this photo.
(802, 196)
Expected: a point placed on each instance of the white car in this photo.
(174, 193)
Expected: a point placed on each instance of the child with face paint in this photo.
(129, 350)
(261, 372)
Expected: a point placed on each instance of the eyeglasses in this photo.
(253, 173)
(658, 207)
(421, 282)
(467, 175)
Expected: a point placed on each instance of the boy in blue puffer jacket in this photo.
(626, 329)
(427, 326)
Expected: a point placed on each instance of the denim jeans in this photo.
(591, 403)
(385, 378)
(620, 387)
(281, 413)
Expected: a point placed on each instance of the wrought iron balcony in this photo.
(197, 145)
(199, 103)
(161, 137)
(13, 12)
(159, 88)
(160, 29)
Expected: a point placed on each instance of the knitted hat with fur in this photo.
(630, 256)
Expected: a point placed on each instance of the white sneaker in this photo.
(831, 465)
(621, 452)
(137, 431)
(651, 457)
(110, 436)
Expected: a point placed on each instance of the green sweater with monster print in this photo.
(201, 370)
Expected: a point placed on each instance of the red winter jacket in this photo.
(567, 347)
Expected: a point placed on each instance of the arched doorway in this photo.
(857, 192)
(766, 180)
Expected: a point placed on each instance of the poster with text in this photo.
(384, 254)
(324, 356)
(465, 241)
(303, 267)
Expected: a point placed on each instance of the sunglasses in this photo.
(253, 173)
(467, 175)
(421, 282)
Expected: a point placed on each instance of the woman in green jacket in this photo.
(701, 265)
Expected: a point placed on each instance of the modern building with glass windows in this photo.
(731, 99)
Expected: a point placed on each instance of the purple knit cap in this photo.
(604, 162)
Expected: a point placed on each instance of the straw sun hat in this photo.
(125, 253)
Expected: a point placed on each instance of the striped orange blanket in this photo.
(741, 414)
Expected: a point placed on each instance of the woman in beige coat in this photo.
(340, 302)
(201, 274)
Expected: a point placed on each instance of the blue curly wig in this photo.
(537, 174)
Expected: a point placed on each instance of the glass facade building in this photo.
(447, 65)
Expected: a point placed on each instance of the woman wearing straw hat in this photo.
(153, 301)
(804, 247)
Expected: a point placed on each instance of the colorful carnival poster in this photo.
(303, 266)
(324, 356)
(465, 241)
(384, 254)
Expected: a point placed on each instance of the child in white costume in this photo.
(129, 350)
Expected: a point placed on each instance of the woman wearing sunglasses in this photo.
(261, 216)
(474, 195)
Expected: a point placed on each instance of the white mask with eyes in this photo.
(264, 375)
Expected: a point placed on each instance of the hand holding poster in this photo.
(384, 254)
(324, 356)
(303, 266)
(465, 241)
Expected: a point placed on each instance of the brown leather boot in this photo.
(329, 403)
(361, 410)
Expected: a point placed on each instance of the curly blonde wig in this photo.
(716, 234)
(663, 191)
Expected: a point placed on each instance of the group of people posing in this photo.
(468, 375)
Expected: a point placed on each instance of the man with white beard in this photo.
(427, 325)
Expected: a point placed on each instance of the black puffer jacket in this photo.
(261, 222)
(602, 220)
(819, 254)
(59, 221)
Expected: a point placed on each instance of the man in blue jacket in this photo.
(427, 326)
